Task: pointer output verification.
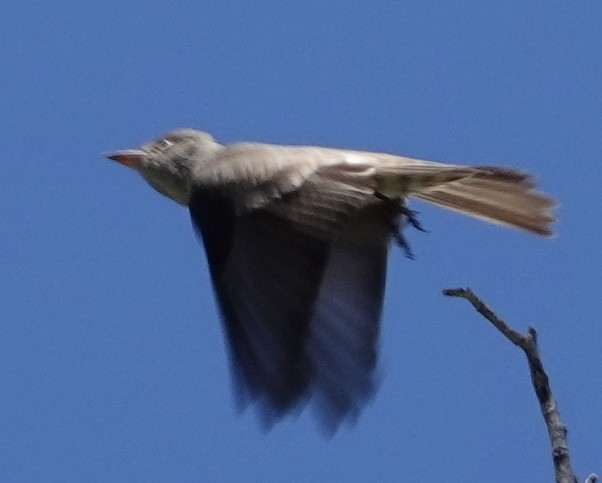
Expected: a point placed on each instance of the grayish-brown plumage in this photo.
(297, 239)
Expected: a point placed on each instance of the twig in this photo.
(528, 343)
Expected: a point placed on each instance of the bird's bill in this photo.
(128, 157)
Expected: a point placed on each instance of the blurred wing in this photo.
(345, 327)
(266, 277)
(300, 286)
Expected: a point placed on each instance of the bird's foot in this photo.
(408, 217)
(411, 218)
(401, 241)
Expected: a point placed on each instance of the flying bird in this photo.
(297, 239)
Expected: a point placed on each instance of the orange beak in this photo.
(128, 157)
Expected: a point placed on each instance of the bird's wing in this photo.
(345, 325)
(266, 278)
(300, 284)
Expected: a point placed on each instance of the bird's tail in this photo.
(497, 195)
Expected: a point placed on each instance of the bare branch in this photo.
(528, 343)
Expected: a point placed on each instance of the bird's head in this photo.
(167, 163)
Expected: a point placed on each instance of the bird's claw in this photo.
(408, 217)
(402, 242)
(411, 218)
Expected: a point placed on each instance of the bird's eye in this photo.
(164, 144)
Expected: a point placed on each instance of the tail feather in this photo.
(497, 195)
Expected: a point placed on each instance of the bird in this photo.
(297, 241)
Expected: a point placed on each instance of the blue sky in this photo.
(112, 360)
